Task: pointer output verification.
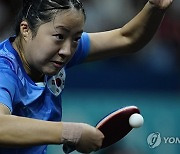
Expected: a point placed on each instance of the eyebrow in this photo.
(67, 30)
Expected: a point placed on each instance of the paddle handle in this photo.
(68, 148)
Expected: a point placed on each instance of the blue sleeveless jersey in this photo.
(25, 98)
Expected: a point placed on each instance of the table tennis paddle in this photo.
(114, 126)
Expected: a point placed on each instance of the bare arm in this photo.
(132, 36)
(20, 132)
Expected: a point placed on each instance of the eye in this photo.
(76, 40)
(59, 37)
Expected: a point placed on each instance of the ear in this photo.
(25, 30)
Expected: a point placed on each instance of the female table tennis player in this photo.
(50, 39)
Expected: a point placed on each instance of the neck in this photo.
(35, 75)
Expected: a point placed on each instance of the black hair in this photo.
(37, 12)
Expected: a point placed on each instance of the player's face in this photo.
(55, 42)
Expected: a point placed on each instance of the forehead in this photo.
(71, 19)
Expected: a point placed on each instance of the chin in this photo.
(51, 73)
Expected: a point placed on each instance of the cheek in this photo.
(72, 53)
(38, 57)
(42, 55)
(42, 50)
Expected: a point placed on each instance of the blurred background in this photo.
(149, 79)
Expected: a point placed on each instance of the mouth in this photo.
(58, 64)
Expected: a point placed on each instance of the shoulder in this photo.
(7, 55)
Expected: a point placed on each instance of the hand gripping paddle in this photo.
(115, 126)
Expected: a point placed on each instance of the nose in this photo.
(65, 50)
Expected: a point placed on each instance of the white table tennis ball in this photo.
(136, 120)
